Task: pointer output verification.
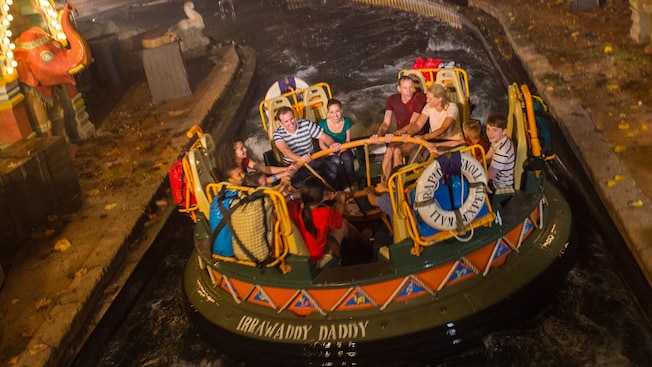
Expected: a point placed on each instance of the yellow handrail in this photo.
(189, 188)
(531, 123)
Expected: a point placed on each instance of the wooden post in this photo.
(166, 72)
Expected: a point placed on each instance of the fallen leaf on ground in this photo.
(62, 245)
(81, 272)
(635, 204)
(37, 348)
(175, 113)
(110, 206)
(13, 361)
(619, 148)
(42, 303)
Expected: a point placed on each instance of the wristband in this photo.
(274, 178)
(397, 133)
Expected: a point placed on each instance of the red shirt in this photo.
(403, 111)
(245, 164)
(324, 218)
(483, 142)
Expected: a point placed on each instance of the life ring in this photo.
(282, 86)
(431, 211)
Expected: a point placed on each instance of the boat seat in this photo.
(272, 108)
(296, 245)
(201, 174)
(315, 99)
(450, 80)
(273, 123)
(420, 84)
(208, 144)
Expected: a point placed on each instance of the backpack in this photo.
(179, 184)
(249, 221)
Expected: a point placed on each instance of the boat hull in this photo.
(441, 323)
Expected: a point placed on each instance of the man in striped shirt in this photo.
(501, 154)
(294, 140)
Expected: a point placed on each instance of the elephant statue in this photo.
(45, 73)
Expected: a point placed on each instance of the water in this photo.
(592, 321)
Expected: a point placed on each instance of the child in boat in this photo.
(501, 154)
(339, 128)
(323, 229)
(473, 135)
(235, 153)
(223, 245)
(255, 179)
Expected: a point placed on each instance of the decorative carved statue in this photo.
(45, 71)
(188, 31)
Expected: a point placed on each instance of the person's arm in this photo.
(340, 203)
(328, 142)
(492, 173)
(384, 127)
(287, 152)
(442, 129)
(276, 173)
(489, 155)
(448, 143)
(416, 126)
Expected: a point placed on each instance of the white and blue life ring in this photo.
(430, 181)
(285, 84)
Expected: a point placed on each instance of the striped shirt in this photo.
(301, 141)
(503, 161)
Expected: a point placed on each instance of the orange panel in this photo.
(433, 277)
(280, 296)
(514, 234)
(480, 258)
(380, 292)
(328, 298)
(241, 288)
